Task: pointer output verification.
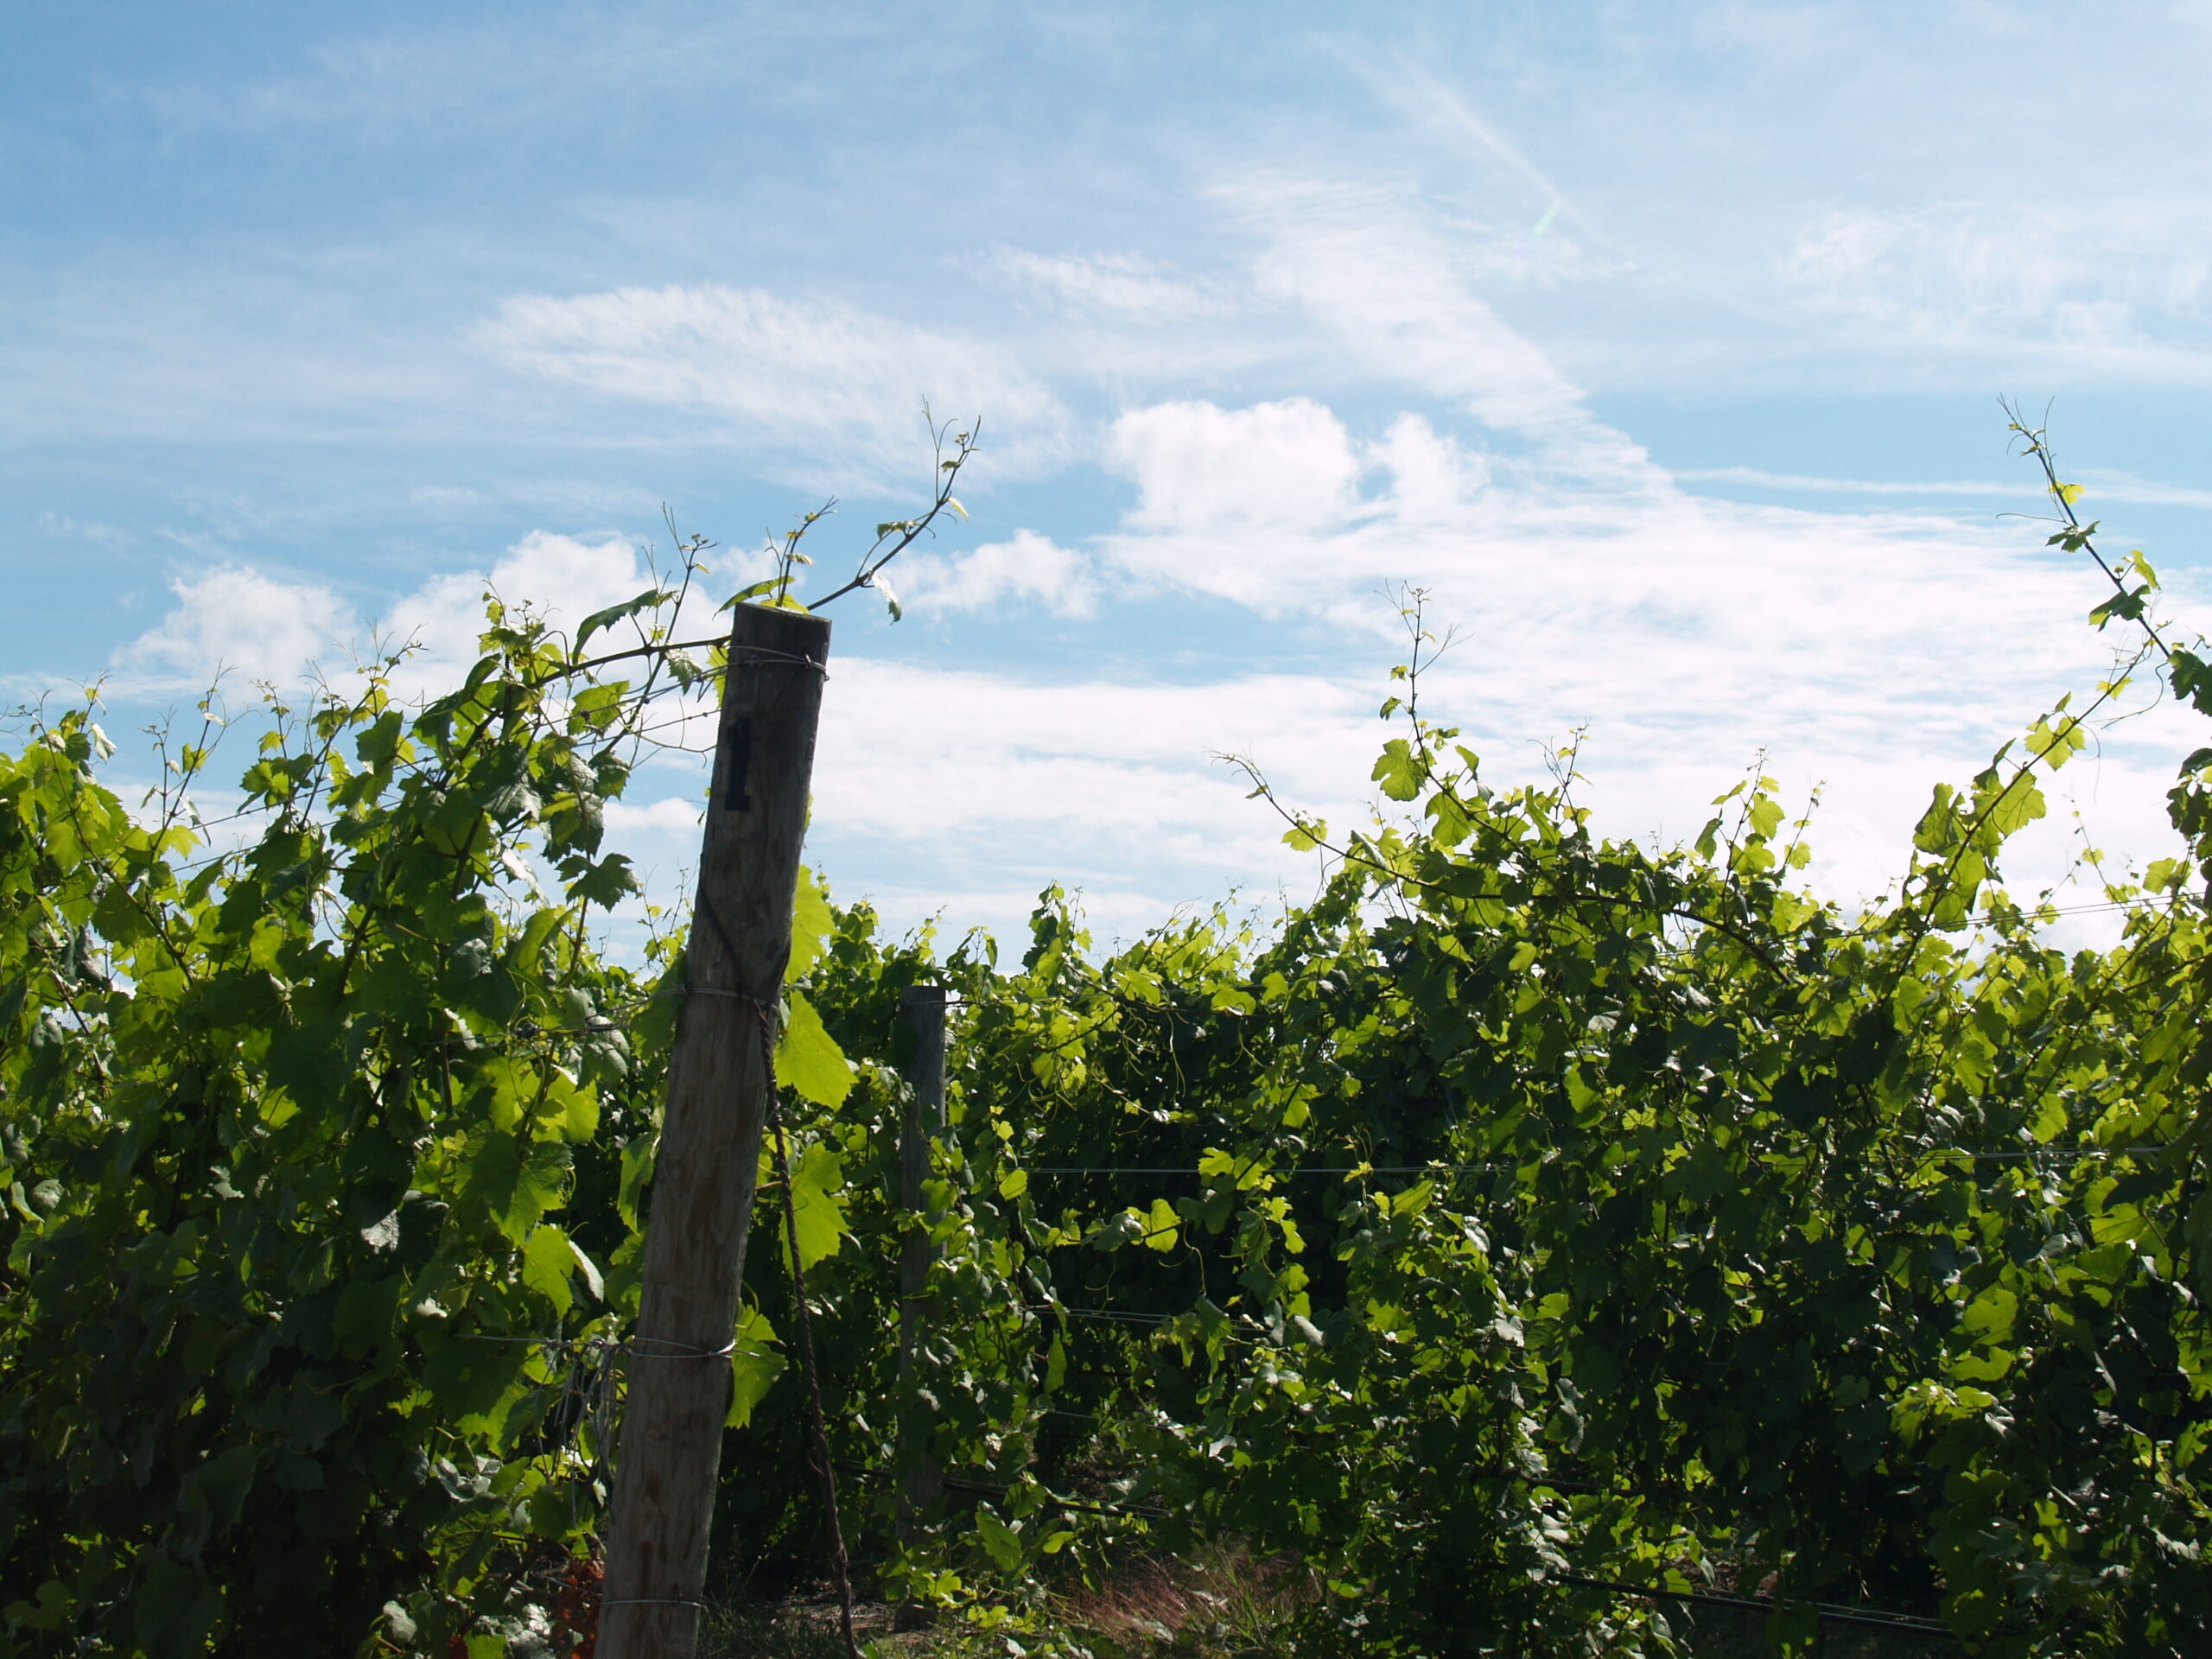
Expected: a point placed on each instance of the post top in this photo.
(772, 628)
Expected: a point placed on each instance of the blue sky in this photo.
(1659, 342)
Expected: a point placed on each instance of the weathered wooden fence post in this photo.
(669, 1455)
(921, 1480)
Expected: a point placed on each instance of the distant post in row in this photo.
(921, 1481)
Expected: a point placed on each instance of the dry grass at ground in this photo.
(1223, 1604)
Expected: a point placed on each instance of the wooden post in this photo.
(668, 1457)
(922, 1481)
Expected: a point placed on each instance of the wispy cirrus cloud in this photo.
(1399, 79)
(2124, 285)
(843, 384)
(1399, 295)
(1124, 285)
(2102, 483)
(403, 85)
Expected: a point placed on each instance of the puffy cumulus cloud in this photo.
(1269, 466)
(557, 577)
(783, 373)
(1645, 598)
(1266, 505)
(676, 814)
(1029, 568)
(234, 619)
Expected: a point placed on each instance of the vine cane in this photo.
(838, 1566)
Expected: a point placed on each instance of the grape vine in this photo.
(1531, 1233)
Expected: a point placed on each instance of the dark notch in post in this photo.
(736, 762)
(669, 1460)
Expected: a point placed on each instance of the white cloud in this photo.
(237, 619)
(1878, 652)
(2122, 283)
(929, 784)
(1273, 466)
(1401, 298)
(83, 530)
(1123, 284)
(784, 373)
(968, 792)
(1029, 567)
(1874, 651)
(2101, 484)
(674, 815)
(558, 577)
(232, 619)
(1404, 82)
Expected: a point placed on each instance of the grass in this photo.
(787, 1630)
(1223, 1604)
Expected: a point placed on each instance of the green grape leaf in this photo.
(754, 1366)
(652, 599)
(808, 1060)
(817, 1184)
(548, 1260)
(1398, 770)
(812, 924)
